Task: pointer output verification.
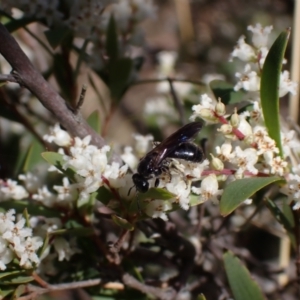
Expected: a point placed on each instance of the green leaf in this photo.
(196, 200)
(57, 35)
(19, 291)
(156, 193)
(34, 208)
(287, 211)
(3, 275)
(112, 44)
(269, 87)
(94, 121)
(15, 277)
(6, 292)
(242, 285)
(56, 159)
(226, 92)
(123, 223)
(33, 156)
(14, 25)
(104, 195)
(74, 232)
(201, 297)
(238, 191)
(119, 77)
(63, 72)
(278, 214)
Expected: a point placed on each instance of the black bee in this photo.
(178, 145)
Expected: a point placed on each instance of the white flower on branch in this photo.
(248, 80)
(11, 190)
(27, 251)
(243, 51)
(209, 188)
(260, 34)
(58, 136)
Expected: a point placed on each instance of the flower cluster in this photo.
(17, 241)
(254, 56)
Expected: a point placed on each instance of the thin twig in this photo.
(177, 102)
(36, 291)
(23, 120)
(8, 78)
(160, 293)
(157, 80)
(81, 99)
(27, 76)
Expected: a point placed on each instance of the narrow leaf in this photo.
(112, 47)
(238, 191)
(119, 77)
(269, 87)
(156, 193)
(225, 91)
(57, 35)
(94, 121)
(33, 156)
(278, 214)
(242, 285)
(16, 24)
(123, 223)
(56, 160)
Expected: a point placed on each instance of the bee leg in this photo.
(138, 204)
(156, 183)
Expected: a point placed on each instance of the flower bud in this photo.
(225, 128)
(217, 163)
(220, 108)
(235, 120)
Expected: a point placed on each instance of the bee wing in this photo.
(184, 134)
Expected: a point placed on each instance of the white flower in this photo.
(224, 152)
(27, 251)
(245, 160)
(244, 127)
(45, 196)
(208, 189)
(278, 165)
(205, 110)
(142, 143)
(11, 189)
(157, 209)
(292, 189)
(64, 249)
(243, 51)
(181, 189)
(248, 80)
(17, 233)
(129, 158)
(7, 220)
(31, 181)
(58, 136)
(166, 60)
(67, 192)
(286, 85)
(6, 254)
(260, 35)
(263, 51)
(289, 142)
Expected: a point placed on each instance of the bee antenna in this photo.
(130, 190)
